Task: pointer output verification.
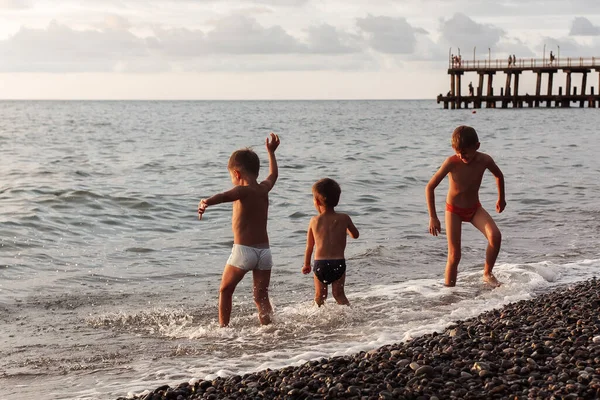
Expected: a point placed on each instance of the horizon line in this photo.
(299, 99)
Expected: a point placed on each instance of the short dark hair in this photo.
(327, 192)
(245, 160)
(464, 137)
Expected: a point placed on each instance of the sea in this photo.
(109, 281)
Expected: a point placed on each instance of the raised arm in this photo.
(273, 170)
(226, 197)
(435, 226)
(310, 244)
(495, 170)
(351, 230)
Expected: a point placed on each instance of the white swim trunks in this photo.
(249, 258)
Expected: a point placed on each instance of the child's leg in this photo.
(453, 234)
(320, 291)
(337, 289)
(261, 278)
(484, 222)
(231, 277)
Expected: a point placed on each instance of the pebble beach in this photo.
(546, 347)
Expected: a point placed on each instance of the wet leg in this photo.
(484, 222)
(453, 234)
(231, 277)
(320, 291)
(261, 295)
(337, 290)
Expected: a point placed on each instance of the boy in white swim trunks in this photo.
(251, 250)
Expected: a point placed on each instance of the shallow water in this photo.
(108, 281)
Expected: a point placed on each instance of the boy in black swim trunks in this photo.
(327, 234)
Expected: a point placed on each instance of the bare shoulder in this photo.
(453, 159)
(345, 217)
(266, 185)
(450, 162)
(485, 158)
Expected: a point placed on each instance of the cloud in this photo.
(234, 42)
(116, 22)
(389, 35)
(461, 31)
(14, 4)
(583, 27)
(238, 34)
(59, 48)
(326, 39)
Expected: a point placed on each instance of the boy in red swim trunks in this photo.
(465, 171)
(327, 234)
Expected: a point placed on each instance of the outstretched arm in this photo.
(226, 197)
(435, 226)
(310, 244)
(495, 170)
(352, 231)
(273, 170)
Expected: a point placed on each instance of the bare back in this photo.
(249, 218)
(329, 230)
(465, 179)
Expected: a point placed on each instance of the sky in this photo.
(273, 49)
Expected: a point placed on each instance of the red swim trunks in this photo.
(465, 214)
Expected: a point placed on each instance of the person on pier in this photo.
(509, 60)
(465, 170)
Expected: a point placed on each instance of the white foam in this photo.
(379, 315)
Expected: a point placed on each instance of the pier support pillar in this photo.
(516, 91)
(538, 88)
(458, 83)
(490, 90)
(477, 102)
(550, 77)
(567, 102)
(583, 85)
(506, 93)
(561, 102)
(452, 90)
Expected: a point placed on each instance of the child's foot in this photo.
(491, 280)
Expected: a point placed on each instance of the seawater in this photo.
(109, 282)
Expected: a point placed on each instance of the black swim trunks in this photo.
(329, 271)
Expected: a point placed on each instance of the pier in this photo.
(550, 70)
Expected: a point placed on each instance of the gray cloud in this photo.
(326, 39)
(462, 31)
(583, 27)
(389, 35)
(112, 47)
(59, 48)
(238, 34)
(235, 34)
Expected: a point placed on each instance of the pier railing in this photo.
(564, 62)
